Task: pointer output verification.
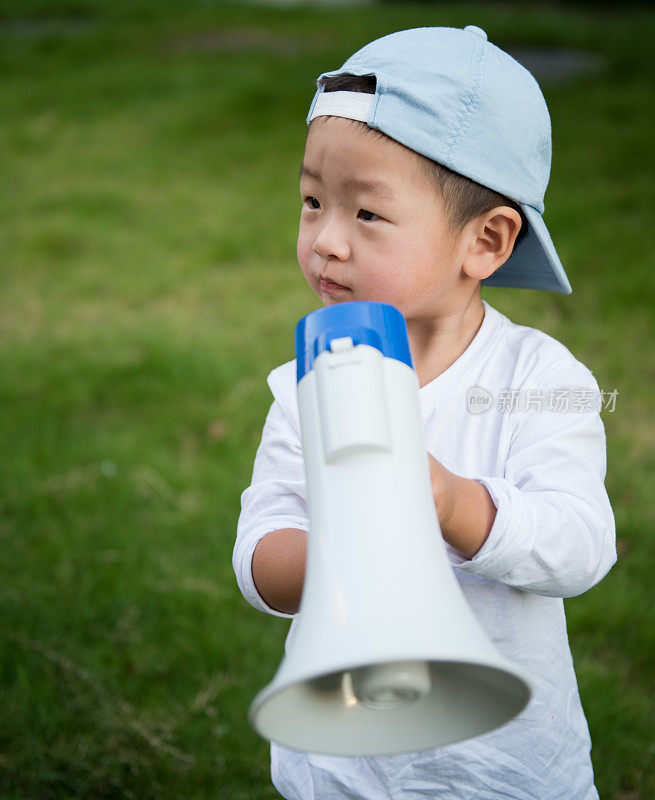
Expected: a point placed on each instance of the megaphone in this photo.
(387, 656)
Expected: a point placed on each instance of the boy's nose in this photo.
(332, 241)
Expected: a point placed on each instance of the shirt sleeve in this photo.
(275, 498)
(554, 531)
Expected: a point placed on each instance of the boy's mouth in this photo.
(332, 287)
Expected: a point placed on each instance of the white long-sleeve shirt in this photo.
(520, 414)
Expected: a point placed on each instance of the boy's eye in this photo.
(312, 202)
(367, 216)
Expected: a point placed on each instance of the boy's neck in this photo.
(438, 342)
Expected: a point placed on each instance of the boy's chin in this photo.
(335, 299)
(328, 300)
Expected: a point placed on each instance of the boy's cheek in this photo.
(308, 274)
(303, 253)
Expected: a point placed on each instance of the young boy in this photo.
(426, 163)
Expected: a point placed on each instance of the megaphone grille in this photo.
(324, 715)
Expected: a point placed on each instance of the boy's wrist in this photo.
(473, 514)
(464, 507)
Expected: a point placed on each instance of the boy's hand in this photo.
(464, 507)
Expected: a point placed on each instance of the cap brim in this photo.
(534, 264)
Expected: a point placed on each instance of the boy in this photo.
(426, 163)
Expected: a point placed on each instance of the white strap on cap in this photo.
(351, 105)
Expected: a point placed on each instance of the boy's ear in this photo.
(491, 238)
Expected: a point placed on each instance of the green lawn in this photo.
(148, 162)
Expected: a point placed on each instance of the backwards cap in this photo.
(457, 99)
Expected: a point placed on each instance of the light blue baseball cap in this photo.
(454, 97)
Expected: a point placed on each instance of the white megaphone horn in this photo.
(387, 656)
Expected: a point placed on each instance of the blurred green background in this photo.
(148, 169)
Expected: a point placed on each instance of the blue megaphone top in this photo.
(379, 325)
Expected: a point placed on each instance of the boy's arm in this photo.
(553, 530)
(274, 506)
(278, 568)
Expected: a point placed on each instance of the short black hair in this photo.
(463, 198)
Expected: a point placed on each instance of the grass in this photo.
(149, 284)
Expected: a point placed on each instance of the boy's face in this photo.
(372, 227)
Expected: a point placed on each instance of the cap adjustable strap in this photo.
(351, 105)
